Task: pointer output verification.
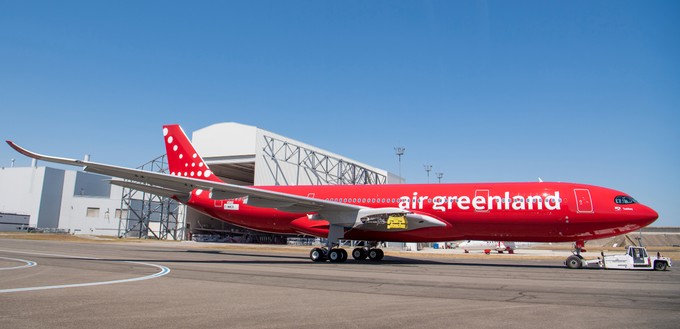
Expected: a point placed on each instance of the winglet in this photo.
(37, 156)
(23, 150)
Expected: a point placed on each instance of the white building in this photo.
(247, 155)
(52, 198)
(85, 203)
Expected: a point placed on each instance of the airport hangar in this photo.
(64, 200)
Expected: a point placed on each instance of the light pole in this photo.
(399, 151)
(439, 176)
(428, 168)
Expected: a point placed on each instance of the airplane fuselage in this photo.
(536, 212)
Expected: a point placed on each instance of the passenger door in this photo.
(584, 203)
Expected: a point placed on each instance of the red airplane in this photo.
(531, 212)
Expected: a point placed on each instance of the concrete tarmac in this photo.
(282, 288)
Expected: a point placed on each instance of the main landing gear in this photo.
(576, 260)
(335, 255)
(372, 253)
(339, 255)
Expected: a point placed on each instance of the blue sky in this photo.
(580, 91)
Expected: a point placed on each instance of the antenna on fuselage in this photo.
(540, 180)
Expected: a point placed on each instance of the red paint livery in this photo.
(607, 218)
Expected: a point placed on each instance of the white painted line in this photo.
(29, 263)
(163, 271)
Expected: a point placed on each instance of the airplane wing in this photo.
(336, 213)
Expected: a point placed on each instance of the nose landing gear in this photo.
(576, 260)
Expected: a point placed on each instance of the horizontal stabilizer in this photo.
(160, 191)
(283, 205)
(218, 194)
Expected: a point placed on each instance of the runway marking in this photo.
(163, 271)
(29, 263)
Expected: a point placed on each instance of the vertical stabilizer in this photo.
(183, 160)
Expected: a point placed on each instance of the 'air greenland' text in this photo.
(483, 202)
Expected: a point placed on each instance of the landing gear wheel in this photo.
(359, 253)
(344, 254)
(337, 255)
(660, 266)
(375, 254)
(574, 261)
(317, 255)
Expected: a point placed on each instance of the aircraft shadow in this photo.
(394, 260)
(274, 259)
(222, 252)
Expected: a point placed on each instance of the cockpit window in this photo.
(624, 199)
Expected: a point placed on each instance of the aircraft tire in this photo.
(574, 261)
(335, 255)
(344, 255)
(381, 254)
(359, 253)
(375, 254)
(317, 255)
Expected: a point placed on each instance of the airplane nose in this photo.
(647, 216)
